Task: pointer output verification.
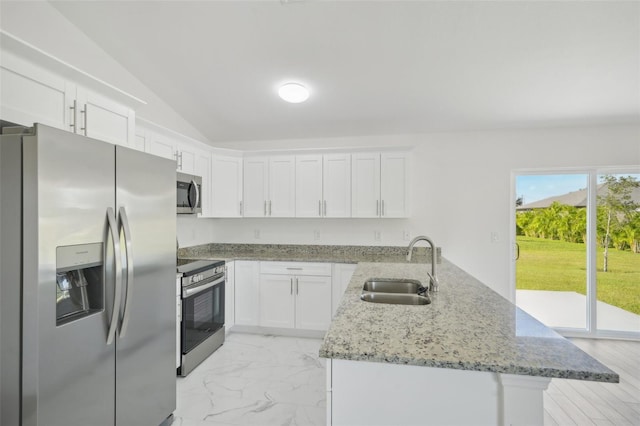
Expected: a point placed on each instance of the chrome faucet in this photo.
(433, 279)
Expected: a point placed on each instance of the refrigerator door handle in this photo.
(124, 225)
(117, 294)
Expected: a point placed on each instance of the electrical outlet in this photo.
(406, 235)
(316, 235)
(376, 235)
(256, 234)
(495, 237)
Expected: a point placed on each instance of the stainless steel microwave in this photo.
(189, 194)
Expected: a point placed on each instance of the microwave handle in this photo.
(195, 185)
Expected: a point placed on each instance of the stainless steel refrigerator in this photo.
(87, 290)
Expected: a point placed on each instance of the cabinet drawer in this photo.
(296, 268)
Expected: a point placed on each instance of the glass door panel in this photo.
(551, 234)
(618, 253)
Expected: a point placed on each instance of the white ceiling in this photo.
(376, 67)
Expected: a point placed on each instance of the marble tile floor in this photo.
(255, 380)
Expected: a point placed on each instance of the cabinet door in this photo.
(161, 145)
(102, 118)
(394, 168)
(31, 94)
(337, 185)
(226, 186)
(282, 180)
(229, 297)
(308, 186)
(202, 168)
(256, 186)
(187, 158)
(342, 273)
(365, 185)
(277, 301)
(246, 292)
(313, 302)
(140, 142)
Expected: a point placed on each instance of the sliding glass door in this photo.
(577, 245)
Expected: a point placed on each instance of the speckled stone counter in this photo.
(305, 253)
(467, 327)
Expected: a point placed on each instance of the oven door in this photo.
(202, 311)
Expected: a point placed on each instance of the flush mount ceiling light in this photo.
(293, 92)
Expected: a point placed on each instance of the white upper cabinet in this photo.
(33, 93)
(256, 186)
(309, 186)
(323, 185)
(365, 184)
(282, 184)
(394, 188)
(99, 117)
(226, 186)
(379, 185)
(336, 185)
(269, 186)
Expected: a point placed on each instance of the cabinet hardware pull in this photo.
(382, 207)
(291, 282)
(73, 116)
(265, 207)
(319, 208)
(377, 207)
(240, 208)
(297, 286)
(294, 269)
(84, 113)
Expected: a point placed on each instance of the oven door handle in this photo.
(188, 292)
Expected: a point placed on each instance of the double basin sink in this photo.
(394, 291)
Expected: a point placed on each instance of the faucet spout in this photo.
(433, 278)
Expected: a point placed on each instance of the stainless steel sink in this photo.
(392, 285)
(395, 298)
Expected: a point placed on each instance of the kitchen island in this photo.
(469, 357)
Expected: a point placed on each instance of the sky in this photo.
(538, 187)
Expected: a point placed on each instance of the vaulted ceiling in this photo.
(376, 67)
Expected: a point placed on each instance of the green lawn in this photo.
(561, 266)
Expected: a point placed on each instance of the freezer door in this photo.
(146, 373)
(68, 367)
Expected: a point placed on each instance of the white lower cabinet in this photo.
(277, 301)
(246, 292)
(229, 296)
(342, 273)
(295, 295)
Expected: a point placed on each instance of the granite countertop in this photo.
(467, 326)
(305, 253)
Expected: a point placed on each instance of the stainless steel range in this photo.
(202, 319)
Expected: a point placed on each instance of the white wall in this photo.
(40, 24)
(461, 192)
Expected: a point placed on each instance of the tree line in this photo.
(618, 218)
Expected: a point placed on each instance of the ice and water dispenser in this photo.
(79, 281)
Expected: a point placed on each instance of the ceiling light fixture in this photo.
(293, 92)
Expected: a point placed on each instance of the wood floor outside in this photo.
(577, 402)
